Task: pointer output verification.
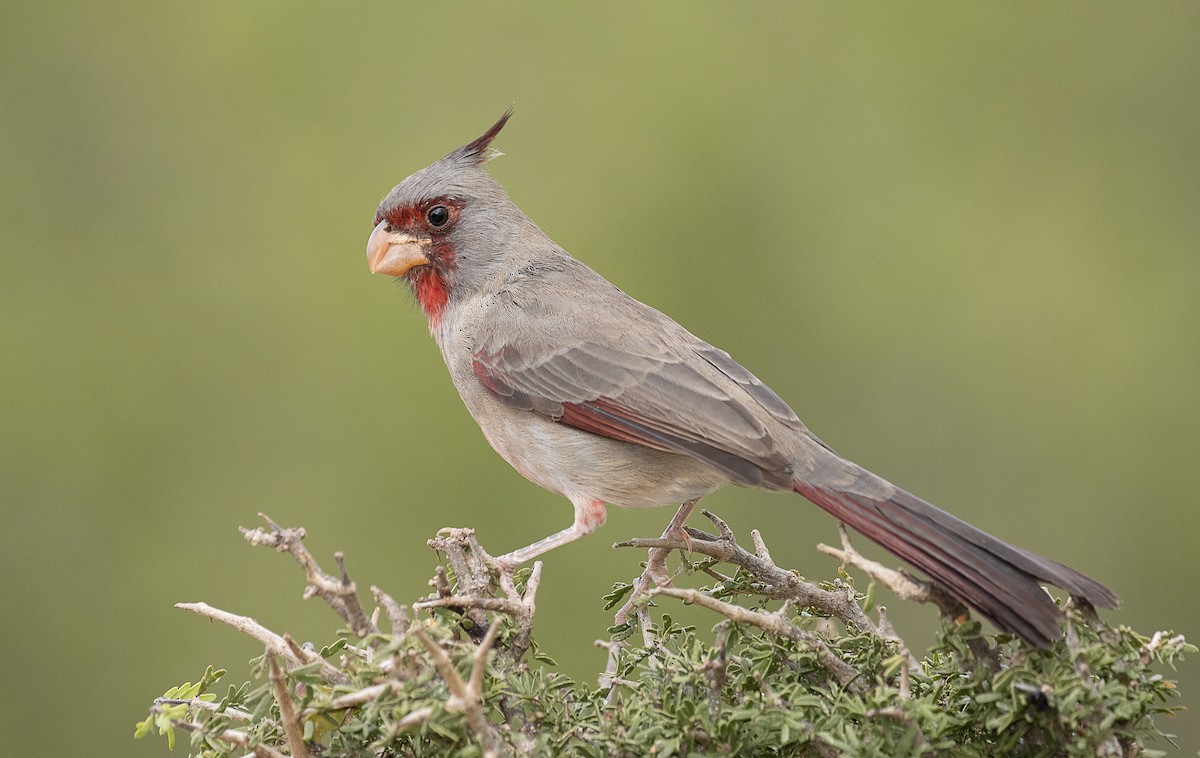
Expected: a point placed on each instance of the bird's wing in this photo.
(683, 396)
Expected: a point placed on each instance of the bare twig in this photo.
(760, 547)
(397, 614)
(288, 720)
(908, 588)
(460, 602)
(294, 654)
(655, 572)
(440, 582)
(471, 567)
(340, 593)
(523, 616)
(474, 570)
(775, 582)
(778, 583)
(905, 586)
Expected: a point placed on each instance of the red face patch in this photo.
(432, 218)
(415, 218)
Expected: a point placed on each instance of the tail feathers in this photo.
(998, 580)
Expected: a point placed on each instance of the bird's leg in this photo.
(655, 574)
(589, 516)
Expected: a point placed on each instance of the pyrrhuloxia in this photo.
(604, 400)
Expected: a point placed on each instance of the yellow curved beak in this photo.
(394, 253)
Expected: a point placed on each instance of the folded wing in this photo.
(698, 402)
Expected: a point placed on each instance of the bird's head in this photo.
(447, 228)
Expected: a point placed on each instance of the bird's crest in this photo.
(479, 150)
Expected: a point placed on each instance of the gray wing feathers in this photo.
(653, 371)
(720, 360)
(692, 400)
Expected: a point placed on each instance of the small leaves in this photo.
(732, 690)
(329, 651)
(614, 598)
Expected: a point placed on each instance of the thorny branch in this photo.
(774, 582)
(476, 575)
(908, 588)
(777, 583)
(397, 614)
(275, 643)
(474, 569)
(340, 593)
(479, 586)
(905, 587)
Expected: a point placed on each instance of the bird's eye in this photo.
(438, 215)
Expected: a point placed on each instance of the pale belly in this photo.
(584, 466)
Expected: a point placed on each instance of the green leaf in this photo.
(329, 651)
(619, 591)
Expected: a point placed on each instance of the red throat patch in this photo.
(429, 288)
(428, 281)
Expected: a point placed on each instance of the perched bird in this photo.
(604, 400)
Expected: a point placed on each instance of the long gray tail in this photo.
(998, 580)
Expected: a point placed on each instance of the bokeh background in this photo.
(963, 241)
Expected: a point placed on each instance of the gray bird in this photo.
(602, 399)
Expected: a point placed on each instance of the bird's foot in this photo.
(656, 573)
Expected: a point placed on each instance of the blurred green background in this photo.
(962, 241)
